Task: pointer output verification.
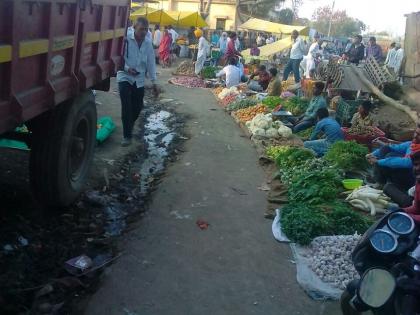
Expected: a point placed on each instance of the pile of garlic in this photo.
(262, 125)
(331, 259)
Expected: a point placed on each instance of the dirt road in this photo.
(171, 266)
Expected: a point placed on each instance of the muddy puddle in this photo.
(35, 245)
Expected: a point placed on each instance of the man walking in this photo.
(296, 55)
(139, 58)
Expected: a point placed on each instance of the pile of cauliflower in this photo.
(262, 125)
(331, 259)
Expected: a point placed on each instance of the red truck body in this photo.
(52, 50)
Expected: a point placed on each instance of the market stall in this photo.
(186, 19)
(154, 16)
(271, 27)
(325, 206)
(267, 51)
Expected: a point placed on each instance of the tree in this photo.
(285, 16)
(341, 23)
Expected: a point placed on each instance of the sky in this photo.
(378, 15)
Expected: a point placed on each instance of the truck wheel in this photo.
(62, 149)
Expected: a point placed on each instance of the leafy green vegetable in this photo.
(315, 187)
(292, 156)
(305, 134)
(302, 223)
(239, 104)
(347, 155)
(296, 105)
(209, 72)
(272, 101)
(346, 221)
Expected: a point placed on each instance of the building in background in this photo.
(221, 14)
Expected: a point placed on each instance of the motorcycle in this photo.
(388, 259)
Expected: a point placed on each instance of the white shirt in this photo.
(237, 44)
(203, 47)
(314, 50)
(233, 75)
(298, 49)
(157, 38)
(398, 60)
(174, 35)
(139, 58)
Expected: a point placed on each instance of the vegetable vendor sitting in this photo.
(309, 118)
(362, 120)
(263, 79)
(329, 127)
(231, 72)
(274, 87)
(392, 162)
(414, 209)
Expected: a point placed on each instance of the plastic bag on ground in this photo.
(308, 280)
(276, 228)
(105, 127)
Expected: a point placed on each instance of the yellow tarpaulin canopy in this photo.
(154, 16)
(269, 50)
(270, 27)
(135, 5)
(187, 19)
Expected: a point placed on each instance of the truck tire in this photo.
(62, 149)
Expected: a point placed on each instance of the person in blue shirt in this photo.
(392, 162)
(215, 38)
(308, 119)
(329, 127)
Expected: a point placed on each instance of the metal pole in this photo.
(329, 25)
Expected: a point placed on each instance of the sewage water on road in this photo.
(159, 133)
(37, 243)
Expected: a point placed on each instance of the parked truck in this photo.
(52, 53)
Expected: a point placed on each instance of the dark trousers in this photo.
(292, 66)
(397, 195)
(131, 105)
(402, 178)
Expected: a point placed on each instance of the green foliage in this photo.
(346, 221)
(275, 151)
(239, 104)
(315, 187)
(305, 134)
(209, 72)
(347, 155)
(272, 101)
(292, 156)
(342, 24)
(296, 105)
(301, 222)
(285, 16)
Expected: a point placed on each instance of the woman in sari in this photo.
(165, 49)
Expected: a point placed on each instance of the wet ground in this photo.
(35, 244)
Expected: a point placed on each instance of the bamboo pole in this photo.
(387, 100)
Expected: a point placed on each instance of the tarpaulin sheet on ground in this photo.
(154, 16)
(187, 19)
(269, 50)
(271, 27)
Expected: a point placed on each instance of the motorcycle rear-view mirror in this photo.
(376, 287)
